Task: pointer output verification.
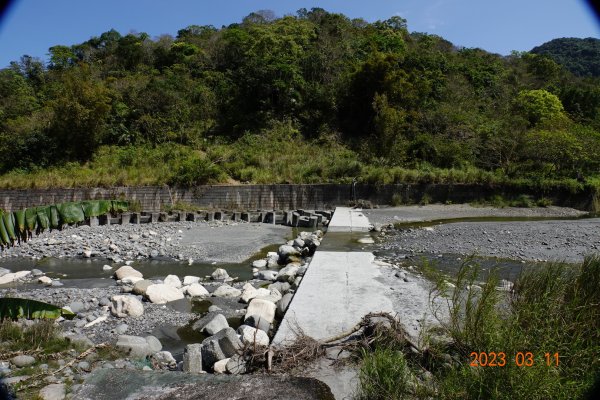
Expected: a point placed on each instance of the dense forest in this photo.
(580, 56)
(313, 97)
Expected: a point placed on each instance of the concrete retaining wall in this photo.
(282, 197)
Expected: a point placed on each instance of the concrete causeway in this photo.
(338, 288)
(347, 219)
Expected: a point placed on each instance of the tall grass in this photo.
(552, 309)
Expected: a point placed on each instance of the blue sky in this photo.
(32, 26)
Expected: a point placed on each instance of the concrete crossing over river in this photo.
(338, 289)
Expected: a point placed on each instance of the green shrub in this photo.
(197, 171)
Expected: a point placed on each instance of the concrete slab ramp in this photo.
(338, 289)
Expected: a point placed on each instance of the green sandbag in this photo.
(31, 219)
(53, 216)
(71, 212)
(95, 208)
(43, 221)
(8, 225)
(3, 234)
(119, 206)
(19, 217)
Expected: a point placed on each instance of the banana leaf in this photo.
(8, 225)
(19, 217)
(70, 213)
(95, 208)
(119, 206)
(53, 216)
(3, 234)
(15, 308)
(43, 221)
(31, 219)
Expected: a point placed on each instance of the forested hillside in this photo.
(580, 56)
(315, 97)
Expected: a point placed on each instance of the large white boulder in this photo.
(161, 293)
(172, 280)
(127, 271)
(227, 291)
(189, 279)
(252, 336)
(260, 314)
(126, 306)
(13, 276)
(195, 290)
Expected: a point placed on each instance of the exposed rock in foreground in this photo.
(113, 384)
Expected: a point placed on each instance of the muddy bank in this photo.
(532, 240)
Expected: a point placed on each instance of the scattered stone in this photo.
(121, 329)
(288, 253)
(131, 280)
(36, 272)
(192, 358)
(45, 280)
(220, 275)
(164, 359)
(153, 343)
(22, 361)
(236, 365)
(126, 271)
(252, 336)
(84, 366)
(196, 290)
(267, 275)
(77, 306)
(283, 304)
(222, 345)
(161, 293)
(189, 280)
(172, 280)
(282, 287)
(138, 347)
(211, 323)
(400, 275)
(288, 273)
(126, 306)
(260, 314)
(220, 367)
(140, 287)
(13, 276)
(4, 271)
(259, 264)
(55, 391)
(251, 292)
(57, 283)
(227, 291)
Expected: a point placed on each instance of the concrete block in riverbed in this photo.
(153, 217)
(295, 218)
(93, 221)
(192, 358)
(210, 216)
(135, 218)
(237, 216)
(125, 218)
(312, 222)
(162, 217)
(104, 219)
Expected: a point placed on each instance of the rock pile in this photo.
(221, 351)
